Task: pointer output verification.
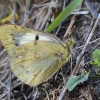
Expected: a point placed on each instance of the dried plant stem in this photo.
(62, 93)
(59, 27)
(83, 50)
(4, 85)
(4, 8)
(10, 77)
(89, 43)
(69, 28)
(26, 15)
(14, 11)
(46, 18)
(80, 56)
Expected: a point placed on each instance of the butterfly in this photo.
(34, 55)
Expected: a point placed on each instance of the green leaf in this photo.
(64, 14)
(96, 55)
(95, 63)
(75, 80)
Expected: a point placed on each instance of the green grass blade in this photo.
(64, 14)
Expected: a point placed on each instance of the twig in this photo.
(64, 2)
(14, 11)
(32, 18)
(80, 57)
(16, 85)
(4, 85)
(69, 28)
(58, 29)
(26, 15)
(46, 18)
(91, 8)
(4, 8)
(62, 93)
(10, 77)
(46, 94)
(87, 42)
(80, 12)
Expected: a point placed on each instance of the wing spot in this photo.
(36, 56)
(16, 44)
(11, 34)
(36, 37)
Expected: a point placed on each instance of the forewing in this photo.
(13, 36)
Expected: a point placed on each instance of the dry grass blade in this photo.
(4, 72)
(43, 12)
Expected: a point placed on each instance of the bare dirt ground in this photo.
(37, 14)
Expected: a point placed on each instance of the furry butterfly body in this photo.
(34, 55)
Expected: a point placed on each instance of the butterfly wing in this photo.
(13, 36)
(35, 63)
(35, 72)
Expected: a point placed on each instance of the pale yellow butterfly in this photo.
(34, 55)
